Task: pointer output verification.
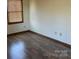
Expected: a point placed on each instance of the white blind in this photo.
(14, 11)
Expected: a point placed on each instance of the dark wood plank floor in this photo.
(29, 45)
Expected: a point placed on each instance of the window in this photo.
(15, 11)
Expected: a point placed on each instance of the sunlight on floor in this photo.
(17, 50)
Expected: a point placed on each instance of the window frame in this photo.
(15, 11)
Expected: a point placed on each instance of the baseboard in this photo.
(17, 33)
(65, 44)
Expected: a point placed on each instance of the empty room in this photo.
(39, 29)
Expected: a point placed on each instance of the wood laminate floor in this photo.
(29, 45)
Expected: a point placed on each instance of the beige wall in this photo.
(12, 28)
(50, 16)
